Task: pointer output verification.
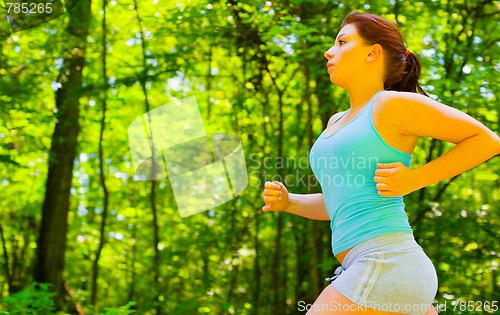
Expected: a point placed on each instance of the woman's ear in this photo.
(375, 53)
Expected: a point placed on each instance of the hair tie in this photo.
(407, 52)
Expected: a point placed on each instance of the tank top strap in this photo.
(372, 101)
(366, 109)
(337, 118)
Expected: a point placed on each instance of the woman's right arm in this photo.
(311, 206)
(277, 198)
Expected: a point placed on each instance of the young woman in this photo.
(362, 162)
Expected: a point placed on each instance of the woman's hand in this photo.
(275, 196)
(395, 179)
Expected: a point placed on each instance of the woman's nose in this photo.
(328, 54)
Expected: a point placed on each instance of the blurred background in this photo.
(81, 234)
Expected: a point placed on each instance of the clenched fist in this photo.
(275, 196)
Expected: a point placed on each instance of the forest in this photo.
(85, 230)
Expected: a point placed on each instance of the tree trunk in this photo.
(278, 290)
(102, 178)
(52, 239)
(152, 193)
(6, 261)
(314, 226)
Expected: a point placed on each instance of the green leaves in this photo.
(122, 310)
(35, 300)
(249, 62)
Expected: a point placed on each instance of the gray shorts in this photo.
(389, 273)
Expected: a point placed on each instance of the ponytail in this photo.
(409, 78)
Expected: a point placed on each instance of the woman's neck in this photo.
(358, 98)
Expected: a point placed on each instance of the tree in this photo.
(53, 230)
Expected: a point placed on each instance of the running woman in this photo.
(362, 162)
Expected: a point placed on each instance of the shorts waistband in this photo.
(397, 241)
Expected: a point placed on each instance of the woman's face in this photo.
(347, 59)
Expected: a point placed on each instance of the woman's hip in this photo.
(389, 273)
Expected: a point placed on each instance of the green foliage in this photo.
(122, 310)
(247, 62)
(35, 300)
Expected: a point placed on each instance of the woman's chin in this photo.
(335, 82)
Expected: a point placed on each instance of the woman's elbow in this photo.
(496, 145)
(492, 141)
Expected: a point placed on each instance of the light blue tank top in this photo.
(344, 164)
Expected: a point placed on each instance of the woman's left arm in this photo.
(418, 115)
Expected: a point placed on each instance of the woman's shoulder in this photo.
(399, 96)
(393, 95)
(390, 102)
(393, 107)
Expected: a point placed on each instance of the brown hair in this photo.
(402, 72)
